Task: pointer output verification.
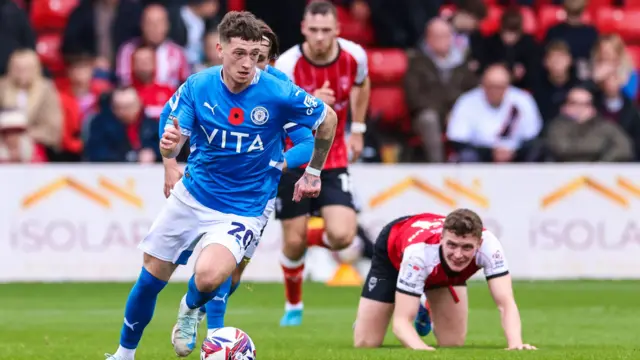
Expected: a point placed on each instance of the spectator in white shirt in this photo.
(492, 122)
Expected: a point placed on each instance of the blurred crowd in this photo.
(85, 80)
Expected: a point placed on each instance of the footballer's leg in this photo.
(337, 209)
(217, 307)
(378, 296)
(165, 247)
(293, 217)
(224, 245)
(449, 317)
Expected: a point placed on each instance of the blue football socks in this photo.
(139, 309)
(196, 298)
(217, 307)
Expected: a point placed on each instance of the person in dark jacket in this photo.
(99, 27)
(580, 134)
(121, 132)
(15, 32)
(555, 80)
(511, 46)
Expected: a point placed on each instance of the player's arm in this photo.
(359, 101)
(496, 271)
(412, 275)
(172, 171)
(302, 139)
(305, 110)
(179, 124)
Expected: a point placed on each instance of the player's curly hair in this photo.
(274, 44)
(239, 24)
(464, 222)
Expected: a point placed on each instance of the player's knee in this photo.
(210, 279)
(340, 237)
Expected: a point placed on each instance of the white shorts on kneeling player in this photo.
(177, 229)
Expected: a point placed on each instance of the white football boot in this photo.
(185, 332)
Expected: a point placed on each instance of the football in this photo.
(228, 343)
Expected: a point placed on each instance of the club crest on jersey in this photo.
(259, 115)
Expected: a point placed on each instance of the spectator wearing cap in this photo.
(494, 122)
(514, 48)
(16, 146)
(170, 62)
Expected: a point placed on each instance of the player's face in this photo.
(458, 251)
(320, 31)
(263, 58)
(239, 58)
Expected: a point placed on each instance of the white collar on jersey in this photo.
(256, 76)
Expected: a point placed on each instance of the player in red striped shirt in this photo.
(433, 255)
(334, 70)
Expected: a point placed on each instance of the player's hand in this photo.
(522, 347)
(171, 137)
(325, 94)
(172, 175)
(307, 187)
(356, 144)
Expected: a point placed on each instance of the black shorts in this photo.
(336, 190)
(380, 284)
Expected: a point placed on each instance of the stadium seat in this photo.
(48, 49)
(388, 104)
(634, 52)
(626, 23)
(491, 23)
(354, 30)
(235, 5)
(386, 66)
(550, 15)
(51, 15)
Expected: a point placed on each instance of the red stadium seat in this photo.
(386, 66)
(354, 30)
(51, 15)
(634, 51)
(491, 23)
(550, 15)
(389, 104)
(48, 49)
(626, 23)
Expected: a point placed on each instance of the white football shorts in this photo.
(184, 222)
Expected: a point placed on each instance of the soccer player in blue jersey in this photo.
(234, 115)
(299, 154)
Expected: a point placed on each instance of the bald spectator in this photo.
(580, 134)
(172, 67)
(493, 122)
(121, 132)
(437, 74)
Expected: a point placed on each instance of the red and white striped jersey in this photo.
(347, 70)
(172, 68)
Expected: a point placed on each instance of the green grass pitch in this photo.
(566, 320)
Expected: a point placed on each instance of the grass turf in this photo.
(566, 320)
